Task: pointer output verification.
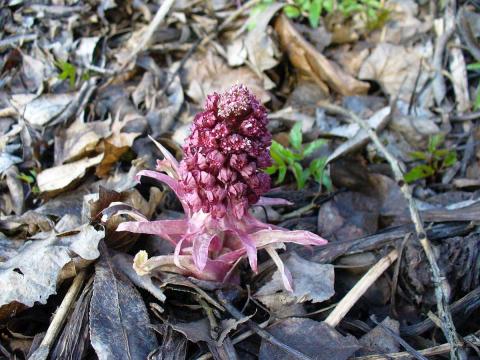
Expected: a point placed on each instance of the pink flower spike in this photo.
(220, 177)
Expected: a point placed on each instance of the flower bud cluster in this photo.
(225, 153)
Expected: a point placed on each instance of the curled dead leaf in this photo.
(58, 178)
(326, 73)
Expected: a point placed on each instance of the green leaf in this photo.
(305, 5)
(276, 151)
(474, 66)
(328, 5)
(327, 182)
(26, 178)
(435, 141)
(252, 19)
(271, 170)
(418, 155)
(450, 159)
(440, 153)
(317, 168)
(282, 171)
(298, 173)
(295, 136)
(315, 11)
(418, 172)
(68, 71)
(291, 11)
(476, 104)
(287, 155)
(314, 145)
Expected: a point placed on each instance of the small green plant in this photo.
(68, 71)
(374, 12)
(30, 179)
(432, 161)
(289, 159)
(476, 102)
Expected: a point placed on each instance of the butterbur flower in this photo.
(220, 177)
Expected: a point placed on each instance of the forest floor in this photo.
(374, 109)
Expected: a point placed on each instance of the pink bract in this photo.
(217, 181)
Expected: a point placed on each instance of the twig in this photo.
(60, 316)
(396, 274)
(258, 330)
(463, 306)
(435, 350)
(152, 27)
(237, 340)
(466, 117)
(402, 342)
(360, 288)
(442, 288)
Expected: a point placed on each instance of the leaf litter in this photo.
(83, 86)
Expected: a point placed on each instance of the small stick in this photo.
(258, 330)
(360, 288)
(59, 318)
(402, 342)
(435, 350)
(236, 340)
(152, 27)
(442, 287)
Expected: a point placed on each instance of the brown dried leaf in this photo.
(313, 64)
(208, 73)
(114, 147)
(398, 69)
(79, 139)
(58, 178)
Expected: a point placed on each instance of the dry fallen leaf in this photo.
(262, 50)
(114, 147)
(398, 69)
(208, 73)
(31, 273)
(313, 64)
(358, 137)
(39, 111)
(58, 178)
(119, 322)
(311, 281)
(314, 339)
(79, 140)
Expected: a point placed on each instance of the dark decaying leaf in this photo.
(73, 341)
(124, 262)
(31, 273)
(119, 323)
(173, 347)
(379, 341)
(313, 338)
(221, 347)
(311, 281)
